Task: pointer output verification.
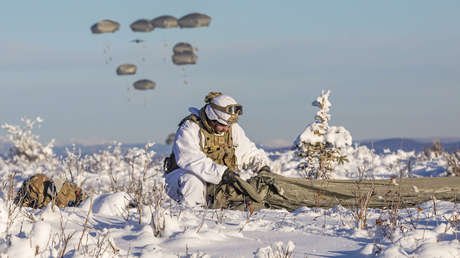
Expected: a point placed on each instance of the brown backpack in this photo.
(39, 190)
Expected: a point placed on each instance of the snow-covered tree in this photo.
(320, 146)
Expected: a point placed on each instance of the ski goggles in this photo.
(233, 109)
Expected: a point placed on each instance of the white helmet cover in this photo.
(220, 116)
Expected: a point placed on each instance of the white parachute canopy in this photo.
(182, 47)
(165, 22)
(142, 25)
(194, 20)
(144, 84)
(105, 26)
(183, 54)
(126, 69)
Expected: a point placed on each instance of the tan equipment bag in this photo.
(39, 190)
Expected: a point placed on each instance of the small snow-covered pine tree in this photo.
(320, 145)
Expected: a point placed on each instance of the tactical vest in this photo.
(218, 147)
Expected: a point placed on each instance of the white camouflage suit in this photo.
(187, 184)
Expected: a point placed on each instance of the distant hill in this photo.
(406, 144)
(60, 151)
(160, 149)
(379, 145)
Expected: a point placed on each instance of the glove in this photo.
(265, 169)
(229, 176)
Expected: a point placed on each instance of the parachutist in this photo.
(137, 41)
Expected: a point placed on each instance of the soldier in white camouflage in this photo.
(209, 149)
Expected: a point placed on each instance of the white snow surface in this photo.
(107, 225)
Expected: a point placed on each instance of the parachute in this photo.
(194, 20)
(126, 69)
(105, 26)
(184, 58)
(183, 54)
(137, 41)
(142, 25)
(165, 22)
(270, 190)
(170, 139)
(182, 47)
(144, 84)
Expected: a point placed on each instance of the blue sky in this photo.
(393, 67)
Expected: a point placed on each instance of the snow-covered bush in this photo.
(133, 172)
(435, 150)
(128, 213)
(26, 155)
(453, 163)
(452, 159)
(25, 143)
(320, 145)
(276, 250)
(107, 161)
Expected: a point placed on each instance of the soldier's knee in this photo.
(192, 190)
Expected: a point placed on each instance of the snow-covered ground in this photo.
(128, 213)
(106, 225)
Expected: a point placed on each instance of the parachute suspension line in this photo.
(184, 76)
(107, 52)
(129, 93)
(148, 98)
(144, 51)
(104, 53)
(145, 101)
(143, 72)
(165, 51)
